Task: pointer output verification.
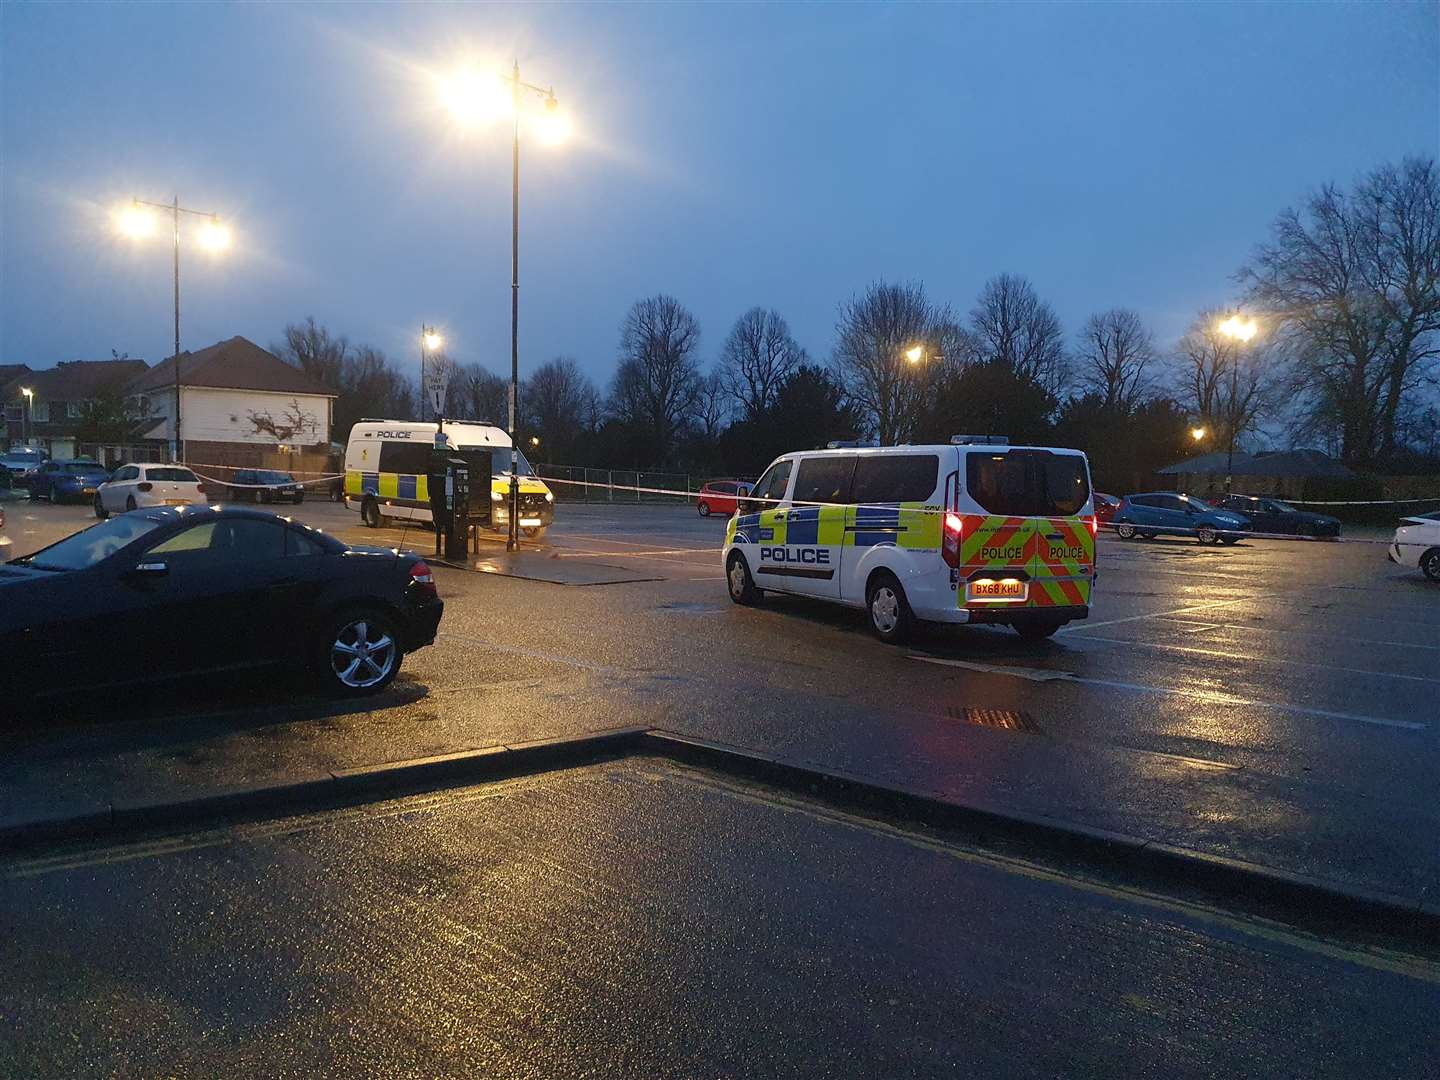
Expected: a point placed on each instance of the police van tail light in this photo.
(1094, 522)
(950, 539)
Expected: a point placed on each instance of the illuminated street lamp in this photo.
(535, 441)
(1240, 330)
(430, 340)
(475, 97)
(134, 221)
(29, 396)
(1197, 433)
(915, 354)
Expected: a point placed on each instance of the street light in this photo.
(431, 340)
(29, 396)
(136, 222)
(474, 97)
(1240, 330)
(1197, 433)
(915, 354)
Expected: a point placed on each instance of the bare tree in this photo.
(874, 333)
(1019, 331)
(1352, 284)
(476, 393)
(370, 385)
(757, 356)
(1225, 385)
(557, 401)
(1113, 356)
(713, 405)
(315, 351)
(657, 380)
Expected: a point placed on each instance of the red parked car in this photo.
(721, 496)
(1105, 507)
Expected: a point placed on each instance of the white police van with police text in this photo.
(976, 531)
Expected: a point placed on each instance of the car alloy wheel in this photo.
(1430, 564)
(1207, 534)
(100, 511)
(1125, 531)
(363, 653)
(704, 509)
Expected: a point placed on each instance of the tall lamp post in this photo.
(1240, 331)
(430, 340)
(138, 223)
(473, 96)
(29, 396)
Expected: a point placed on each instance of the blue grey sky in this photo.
(1117, 154)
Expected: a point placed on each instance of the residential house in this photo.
(1282, 473)
(12, 403)
(59, 400)
(241, 406)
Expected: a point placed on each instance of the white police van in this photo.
(975, 531)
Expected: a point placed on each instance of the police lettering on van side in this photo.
(812, 556)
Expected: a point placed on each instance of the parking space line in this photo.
(1220, 654)
(1208, 697)
(1162, 614)
(1348, 638)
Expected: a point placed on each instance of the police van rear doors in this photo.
(1025, 539)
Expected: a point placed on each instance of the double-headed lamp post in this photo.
(137, 222)
(1239, 330)
(429, 340)
(474, 96)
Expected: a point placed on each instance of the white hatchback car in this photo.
(131, 487)
(1417, 543)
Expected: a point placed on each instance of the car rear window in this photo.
(1027, 483)
(888, 478)
(174, 475)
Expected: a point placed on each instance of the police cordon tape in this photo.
(324, 478)
(691, 496)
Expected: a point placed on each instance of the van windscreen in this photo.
(1027, 483)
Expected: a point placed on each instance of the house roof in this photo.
(1284, 464)
(236, 364)
(79, 380)
(12, 373)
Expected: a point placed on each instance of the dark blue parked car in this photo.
(1165, 513)
(73, 480)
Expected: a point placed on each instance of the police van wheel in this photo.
(1125, 531)
(370, 513)
(890, 615)
(533, 532)
(741, 584)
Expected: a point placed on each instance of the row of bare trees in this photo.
(1346, 291)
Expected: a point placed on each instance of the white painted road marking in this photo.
(1208, 697)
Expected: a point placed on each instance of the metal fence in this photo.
(575, 483)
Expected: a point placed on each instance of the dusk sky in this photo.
(1116, 154)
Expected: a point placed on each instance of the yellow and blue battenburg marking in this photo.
(906, 525)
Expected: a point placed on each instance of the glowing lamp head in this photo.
(433, 340)
(215, 236)
(1239, 329)
(534, 440)
(552, 126)
(1197, 433)
(474, 97)
(135, 221)
(915, 354)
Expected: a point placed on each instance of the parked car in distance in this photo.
(1105, 507)
(1157, 513)
(1269, 515)
(72, 480)
(22, 461)
(721, 496)
(134, 486)
(1417, 543)
(266, 486)
(176, 591)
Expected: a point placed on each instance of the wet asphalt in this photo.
(636, 919)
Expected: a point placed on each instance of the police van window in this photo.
(1027, 483)
(405, 457)
(772, 484)
(824, 479)
(888, 478)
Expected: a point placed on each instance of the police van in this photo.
(976, 531)
(387, 462)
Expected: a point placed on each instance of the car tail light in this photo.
(954, 531)
(144, 485)
(422, 578)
